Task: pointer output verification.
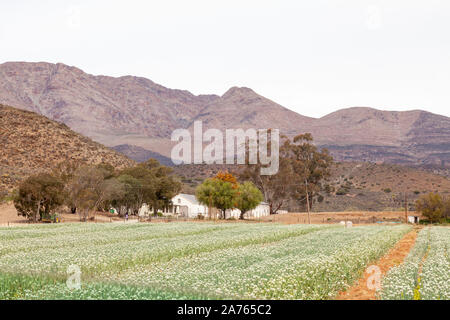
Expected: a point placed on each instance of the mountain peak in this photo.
(129, 110)
(238, 91)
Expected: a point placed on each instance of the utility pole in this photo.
(307, 201)
(406, 208)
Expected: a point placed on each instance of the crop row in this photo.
(188, 260)
(425, 273)
(102, 247)
(313, 266)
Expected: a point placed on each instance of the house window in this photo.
(179, 200)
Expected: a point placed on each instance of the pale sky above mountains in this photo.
(312, 57)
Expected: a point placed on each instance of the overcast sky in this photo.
(313, 57)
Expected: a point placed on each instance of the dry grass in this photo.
(378, 177)
(32, 143)
(357, 217)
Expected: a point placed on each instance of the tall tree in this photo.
(88, 189)
(218, 193)
(151, 183)
(65, 170)
(446, 207)
(302, 168)
(165, 184)
(205, 194)
(113, 189)
(275, 188)
(38, 196)
(248, 197)
(309, 165)
(431, 206)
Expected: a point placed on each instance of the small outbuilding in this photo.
(413, 219)
(261, 210)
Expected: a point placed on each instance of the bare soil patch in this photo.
(8, 214)
(395, 256)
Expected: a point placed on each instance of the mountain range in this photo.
(135, 115)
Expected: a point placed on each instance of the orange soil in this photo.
(8, 214)
(360, 291)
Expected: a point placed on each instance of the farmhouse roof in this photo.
(189, 197)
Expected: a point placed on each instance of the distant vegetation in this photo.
(88, 188)
(303, 169)
(364, 191)
(223, 192)
(434, 207)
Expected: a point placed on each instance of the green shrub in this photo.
(434, 207)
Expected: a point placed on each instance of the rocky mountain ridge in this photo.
(135, 111)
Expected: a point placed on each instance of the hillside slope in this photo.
(139, 154)
(352, 185)
(32, 143)
(99, 107)
(378, 187)
(366, 134)
(138, 112)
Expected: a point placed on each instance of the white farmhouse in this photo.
(187, 205)
(184, 205)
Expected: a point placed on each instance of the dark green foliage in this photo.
(38, 196)
(248, 197)
(434, 207)
(217, 193)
